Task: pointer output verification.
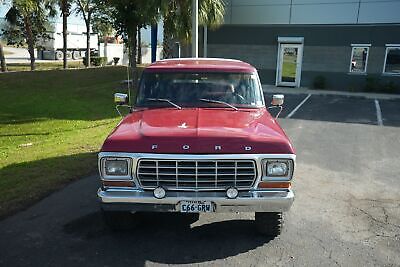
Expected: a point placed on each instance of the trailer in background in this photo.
(76, 43)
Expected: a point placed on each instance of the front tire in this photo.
(269, 223)
(119, 220)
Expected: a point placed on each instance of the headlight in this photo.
(279, 169)
(116, 168)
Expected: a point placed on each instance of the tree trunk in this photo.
(105, 47)
(88, 42)
(65, 18)
(2, 59)
(30, 41)
(168, 38)
(139, 42)
(132, 60)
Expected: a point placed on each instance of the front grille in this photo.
(196, 174)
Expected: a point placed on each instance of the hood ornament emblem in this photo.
(185, 147)
(183, 126)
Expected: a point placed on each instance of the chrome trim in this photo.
(246, 201)
(121, 178)
(287, 177)
(195, 174)
(257, 157)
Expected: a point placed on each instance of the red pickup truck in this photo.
(198, 138)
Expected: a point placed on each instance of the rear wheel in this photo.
(269, 223)
(119, 220)
(76, 54)
(59, 55)
(69, 55)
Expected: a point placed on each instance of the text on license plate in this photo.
(196, 206)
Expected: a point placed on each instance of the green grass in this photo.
(51, 65)
(52, 123)
(289, 68)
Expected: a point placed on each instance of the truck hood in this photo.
(199, 131)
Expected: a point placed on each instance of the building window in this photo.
(359, 58)
(392, 60)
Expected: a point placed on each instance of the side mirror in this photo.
(120, 99)
(277, 100)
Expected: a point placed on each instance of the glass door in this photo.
(289, 64)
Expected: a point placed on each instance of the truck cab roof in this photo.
(201, 65)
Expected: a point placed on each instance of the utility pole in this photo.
(205, 37)
(154, 30)
(195, 27)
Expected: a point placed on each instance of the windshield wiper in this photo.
(218, 102)
(164, 100)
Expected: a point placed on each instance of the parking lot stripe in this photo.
(378, 113)
(298, 106)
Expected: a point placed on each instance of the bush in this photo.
(319, 82)
(371, 84)
(96, 61)
(390, 88)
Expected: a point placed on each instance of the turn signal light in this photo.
(285, 185)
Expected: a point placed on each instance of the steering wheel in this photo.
(239, 96)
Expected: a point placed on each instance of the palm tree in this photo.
(177, 20)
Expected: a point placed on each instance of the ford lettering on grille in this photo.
(196, 174)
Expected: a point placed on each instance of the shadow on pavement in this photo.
(168, 238)
(25, 183)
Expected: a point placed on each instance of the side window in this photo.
(392, 60)
(359, 58)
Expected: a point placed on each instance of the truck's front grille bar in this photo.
(196, 174)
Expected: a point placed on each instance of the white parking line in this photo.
(298, 106)
(378, 113)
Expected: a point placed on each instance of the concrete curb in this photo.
(304, 90)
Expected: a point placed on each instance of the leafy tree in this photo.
(27, 24)
(101, 21)
(86, 9)
(177, 20)
(127, 16)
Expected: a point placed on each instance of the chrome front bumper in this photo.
(247, 201)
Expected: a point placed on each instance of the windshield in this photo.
(239, 90)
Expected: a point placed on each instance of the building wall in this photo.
(327, 50)
(312, 11)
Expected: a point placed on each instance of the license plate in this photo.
(197, 206)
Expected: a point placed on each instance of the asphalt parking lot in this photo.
(346, 212)
(339, 108)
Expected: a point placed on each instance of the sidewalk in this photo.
(304, 90)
